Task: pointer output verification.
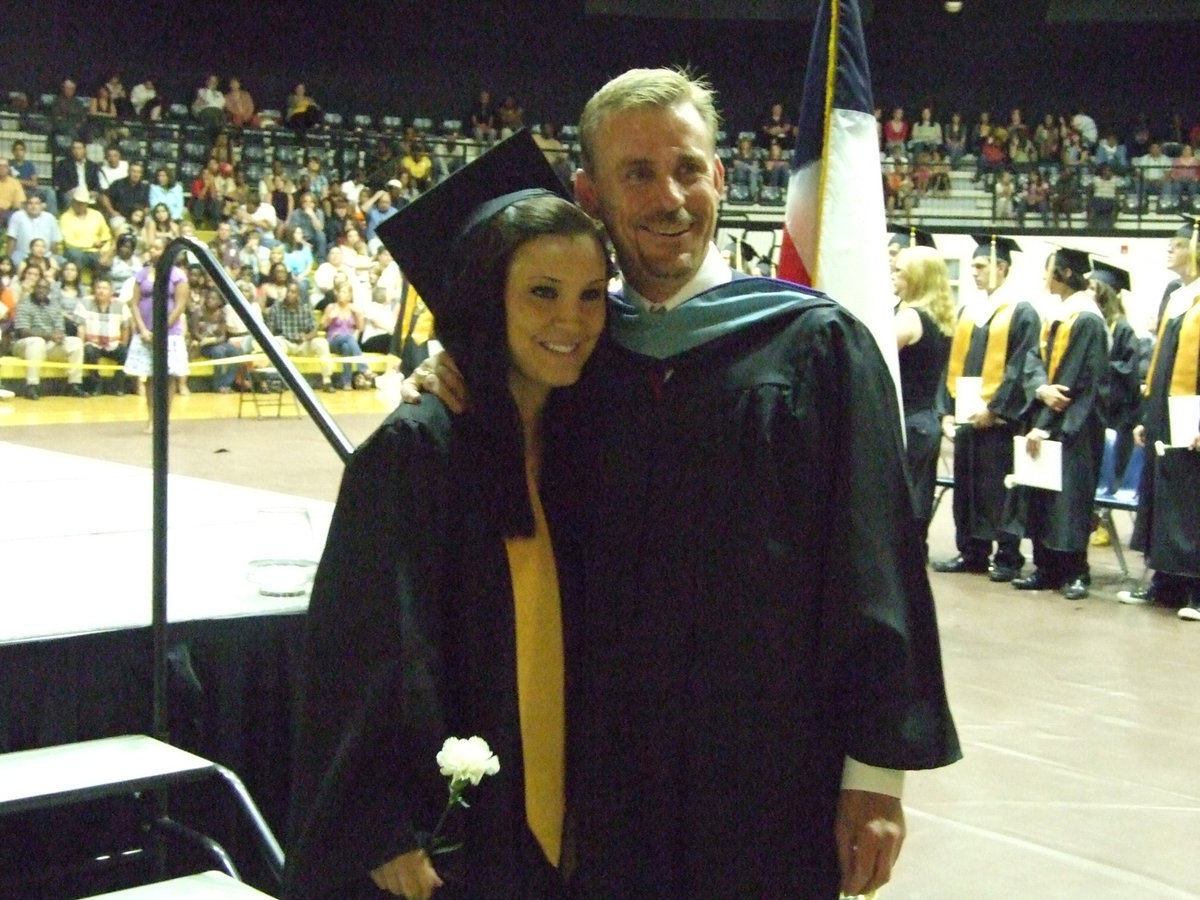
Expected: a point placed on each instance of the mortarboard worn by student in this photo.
(436, 609)
(991, 342)
(1067, 376)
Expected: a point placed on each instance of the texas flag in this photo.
(835, 233)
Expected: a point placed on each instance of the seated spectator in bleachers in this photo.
(1075, 153)
(167, 191)
(41, 259)
(355, 252)
(277, 278)
(1047, 141)
(1102, 205)
(303, 112)
(1003, 192)
(1034, 197)
(258, 215)
(980, 130)
(102, 104)
(68, 289)
(926, 133)
(73, 171)
(236, 330)
(419, 166)
(1089, 133)
(295, 326)
(1152, 169)
(124, 195)
(379, 208)
(744, 174)
(991, 161)
(481, 119)
(298, 255)
(208, 338)
(354, 185)
(776, 126)
(955, 136)
(239, 105)
(8, 300)
(208, 108)
(1110, 152)
(339, 216)
(254, 258)
(207, 200)
(12, 194)
(1139, 138)
(327, 275)
(1017, 124)
(146, 102)
(379, 321)
(159, 224)
(939, 174)
(40, 331)
(1066, 196)
(67, 113)
(510, 116)
(342, 323)
(385, 273)
(24, 170)
(318, 181)
(226, 247)
(126, 262)
(898, 189)
(895, 132)
(777, 169)
(120, 96)
(546, 137)
(87, 239)
(1179, 186)
(1021, 152)
(308, 217)
(104, 328)
(114, 168)
(283, 198)
(28, 225)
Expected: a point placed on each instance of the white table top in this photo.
(205, 886)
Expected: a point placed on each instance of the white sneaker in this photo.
(1135, 597)
(6, 395)
(1191, 612)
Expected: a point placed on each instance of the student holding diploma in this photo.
(1168, 521)
(1066, 375)
(992, 340)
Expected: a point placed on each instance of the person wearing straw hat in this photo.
(437, 608)
(992, 340)
(1067, 373)
(1167, 528)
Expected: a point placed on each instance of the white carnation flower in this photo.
(467, 759)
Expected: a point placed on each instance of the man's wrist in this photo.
(858, 776)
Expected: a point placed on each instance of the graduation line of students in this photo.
(1066, 379)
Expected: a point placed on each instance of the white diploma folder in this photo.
(1045, 472)
(1184, 416)
(968, 398)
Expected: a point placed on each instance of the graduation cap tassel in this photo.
(992, 271)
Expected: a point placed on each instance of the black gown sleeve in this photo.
(1081, 372)
(1122, 390)
(878, 630)
(370, 718)
(1013, 397)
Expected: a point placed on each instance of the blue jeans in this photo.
(347, 345)
(223, 376)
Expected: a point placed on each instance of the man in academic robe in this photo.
(991, 342)
(1067, 373)
(1167, 529)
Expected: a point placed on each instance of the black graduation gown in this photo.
(983, 456)
(922, 370)
(756, 608)
(1062, 520)
(1167, 528)
(1122, 396)
(410, 640)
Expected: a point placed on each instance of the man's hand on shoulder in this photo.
(438, 375)
(869, 831)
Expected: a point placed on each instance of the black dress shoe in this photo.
(1035, 582)
(960, 564)
(76, 390)
(31, 392)
(1076, 590)
(1003, 573)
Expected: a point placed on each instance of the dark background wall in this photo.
(431, 58)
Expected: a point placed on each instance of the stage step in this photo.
(205, 886)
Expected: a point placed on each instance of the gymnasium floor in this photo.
(1079, 720)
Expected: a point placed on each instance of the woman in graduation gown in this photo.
(1067, 377)
(1123, 391)
(924, 323)
(438, 556)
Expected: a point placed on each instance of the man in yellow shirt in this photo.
(87, 240)
(12, 194)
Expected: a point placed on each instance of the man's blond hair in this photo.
(639, 88)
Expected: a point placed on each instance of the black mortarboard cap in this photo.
(1003, 247)
(1115, 278)
(907, 236)
(420, 236)
(1077, 261)
(1190, 229)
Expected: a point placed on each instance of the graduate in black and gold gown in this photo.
(436, 607)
